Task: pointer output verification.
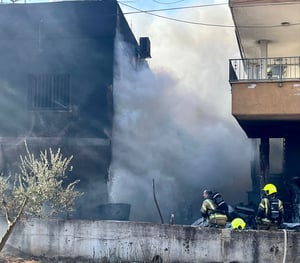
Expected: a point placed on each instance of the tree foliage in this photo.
(38, 190)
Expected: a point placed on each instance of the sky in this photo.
(173, 122)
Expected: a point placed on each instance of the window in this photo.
(49, 92)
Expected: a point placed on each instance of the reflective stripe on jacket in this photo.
(264, 209)
(208, 207)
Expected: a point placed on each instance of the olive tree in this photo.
(39, 189)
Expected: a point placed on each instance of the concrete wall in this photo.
(121, 241)
(266, 101)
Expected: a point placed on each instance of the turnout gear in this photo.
(208, 207)
(210, 212)
(274, 210)
(222, 207)
(270, 189)
(270, 209)
(217, 219)
(238, 223)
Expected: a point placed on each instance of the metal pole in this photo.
(156, 203)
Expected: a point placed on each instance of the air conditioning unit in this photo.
(145, 47)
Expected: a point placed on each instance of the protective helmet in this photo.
(270, 189)
(238, 223)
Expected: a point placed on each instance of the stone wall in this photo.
(122, 241)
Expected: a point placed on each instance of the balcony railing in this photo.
(264, 69)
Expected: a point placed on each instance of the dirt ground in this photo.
(10, 255)
(15, 257)
(5, 258)
(18, 260)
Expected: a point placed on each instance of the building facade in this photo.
(56, 87)
(265, 86)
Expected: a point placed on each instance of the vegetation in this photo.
(38, 190)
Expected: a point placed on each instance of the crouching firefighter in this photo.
(270, 210)
(213, 217)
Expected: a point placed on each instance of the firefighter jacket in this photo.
(270, 209)
(210, 213)
(208, 207)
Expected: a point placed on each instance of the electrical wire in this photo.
(170, 3)
(139, 11)
(150, 12)
(129, 1)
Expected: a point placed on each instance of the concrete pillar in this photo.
(264, 151)
(263, 54)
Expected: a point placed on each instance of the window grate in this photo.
(49, 92)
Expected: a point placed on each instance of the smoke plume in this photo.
(173, 122)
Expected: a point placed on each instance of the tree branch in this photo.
(6, 212)
(12, 224)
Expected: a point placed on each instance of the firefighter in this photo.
(270, 210)
(212, 217)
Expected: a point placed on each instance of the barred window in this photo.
(49, 92)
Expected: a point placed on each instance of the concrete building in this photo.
(266, 93)
(56, 86)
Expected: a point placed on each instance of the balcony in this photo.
(266, 95)
(264, 69)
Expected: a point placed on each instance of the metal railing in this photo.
(262, 69)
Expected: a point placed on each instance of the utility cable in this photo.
(149, 12)
(128, 1)
(139, 11)
(169, 3)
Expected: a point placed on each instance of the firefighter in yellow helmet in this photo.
(270, 210)
(238, 224)
(213, 217)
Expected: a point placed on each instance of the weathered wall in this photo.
(144, 242)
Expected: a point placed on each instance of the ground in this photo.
(7, 258)
(11, 255)
(15, 256)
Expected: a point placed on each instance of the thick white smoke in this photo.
(173, 123)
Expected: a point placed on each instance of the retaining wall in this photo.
(120, 241)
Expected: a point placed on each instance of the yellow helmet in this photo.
(238, 223)
(270, 189)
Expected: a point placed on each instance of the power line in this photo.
(182, 21)
(169, 3)
(150, 12)
(129, 1)
(165, 9)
